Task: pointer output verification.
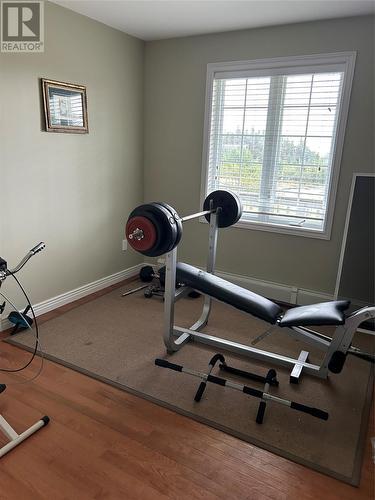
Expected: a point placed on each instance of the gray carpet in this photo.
(116, 340)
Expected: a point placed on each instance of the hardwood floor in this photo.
(104, 443)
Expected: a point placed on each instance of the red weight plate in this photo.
(149, 233)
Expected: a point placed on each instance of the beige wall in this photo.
(75, 191)
(72, 191)
(175, 72)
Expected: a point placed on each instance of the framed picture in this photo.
(65, 107)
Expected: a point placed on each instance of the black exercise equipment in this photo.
(271, 377)
(147, 230)
(156, 228)
(21, 321)
(229, 204)
(159, 289)
(327, 313)
(264, 395)
(223, 211)
(147, 275)
(176, 218)
(249, 375)
(229, 293)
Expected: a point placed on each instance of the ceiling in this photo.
(157, 19)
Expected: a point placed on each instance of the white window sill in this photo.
(280, 229)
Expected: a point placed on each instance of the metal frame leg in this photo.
(171, 344)
(171, 295)
(16, 439)
(343, 336)
(211, 260)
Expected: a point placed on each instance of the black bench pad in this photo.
(227, 292)
(326, 313)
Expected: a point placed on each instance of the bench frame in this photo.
(175, 336)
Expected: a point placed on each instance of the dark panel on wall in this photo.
(357, 278)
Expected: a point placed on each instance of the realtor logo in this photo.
(22, 26)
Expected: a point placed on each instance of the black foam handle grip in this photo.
(315, 412)
(252, 392)
(166, 364)
(200, 391)
(363, 355)
(2, 388)
(216, 380)
(271, 377)
(260, 414)
(216, 358)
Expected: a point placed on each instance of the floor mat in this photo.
(117, 339)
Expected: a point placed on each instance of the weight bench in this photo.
(155, 229)
(327, 313)
(296, 321)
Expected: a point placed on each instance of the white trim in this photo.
(346, 229)
(206, 133)
(303, 63)
(270, 289)
(78, 293)
(340, 138)
(283, 62)
(276, 291)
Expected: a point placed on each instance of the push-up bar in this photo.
(250, 391)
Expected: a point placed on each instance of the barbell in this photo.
(154, 229)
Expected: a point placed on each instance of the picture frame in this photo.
(65, 107)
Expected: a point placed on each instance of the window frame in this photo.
(337, 61)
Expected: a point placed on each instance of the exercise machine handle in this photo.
(38, 248)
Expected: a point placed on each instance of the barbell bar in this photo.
(156, 228)
(198, 214)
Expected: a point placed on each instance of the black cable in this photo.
(8, 370)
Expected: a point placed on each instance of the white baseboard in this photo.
(272, 290)
(277, 291)
(78, 293)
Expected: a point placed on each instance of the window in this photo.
(273, 134)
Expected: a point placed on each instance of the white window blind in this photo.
(272, 139)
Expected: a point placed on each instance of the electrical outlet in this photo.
(124, 245)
